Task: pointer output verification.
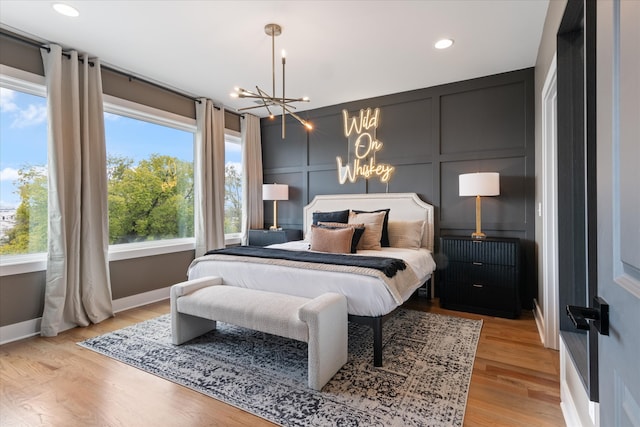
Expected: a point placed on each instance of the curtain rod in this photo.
(106, 67)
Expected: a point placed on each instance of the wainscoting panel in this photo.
(508, 207)
(488, 118)
(287, 209)
(429, 136)
(406, 128)
(291, 151)
(326, 182)
(404, 180)
(327, 140)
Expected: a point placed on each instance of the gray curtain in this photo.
(209, 177)
(253, 206)
(78, 288)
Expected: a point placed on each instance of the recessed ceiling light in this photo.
(65, 9)
(443, 43)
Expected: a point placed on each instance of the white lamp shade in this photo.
(275, 192)
(480, 184)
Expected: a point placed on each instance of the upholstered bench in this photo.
(321, 322)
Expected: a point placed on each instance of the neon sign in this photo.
(362, 148)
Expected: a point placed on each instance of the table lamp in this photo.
(275, 192)
(479, 184)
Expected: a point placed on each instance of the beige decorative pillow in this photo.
(334, 240)
(358, 230)
(372, 228)
(406, 234)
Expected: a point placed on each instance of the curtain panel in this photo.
(253, 206)
(78, 288)
(209, 177)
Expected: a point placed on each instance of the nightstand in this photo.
(270, 237)
(481, 276)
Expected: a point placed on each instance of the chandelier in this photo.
(263, 99)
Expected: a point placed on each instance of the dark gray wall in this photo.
(431, 136)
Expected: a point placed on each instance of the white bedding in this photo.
(366, 295)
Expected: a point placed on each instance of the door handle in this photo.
(599, 314)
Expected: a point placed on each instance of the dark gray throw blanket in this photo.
(389, 266)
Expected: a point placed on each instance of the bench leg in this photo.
(326, 317)
(185, 327)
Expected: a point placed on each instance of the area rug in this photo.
(428, 360)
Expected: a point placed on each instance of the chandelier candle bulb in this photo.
(284, 61)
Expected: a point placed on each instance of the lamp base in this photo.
(275, 216)
(479, 235)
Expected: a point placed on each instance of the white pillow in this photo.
(406, 234)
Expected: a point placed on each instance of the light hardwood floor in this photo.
(54, 382)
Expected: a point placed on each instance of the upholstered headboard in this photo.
(404, 207)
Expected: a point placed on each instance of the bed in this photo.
(371, 296)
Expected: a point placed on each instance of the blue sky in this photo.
(23, 140)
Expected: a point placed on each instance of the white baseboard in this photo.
(539, 317)
(21, 330)
(138, 300)
(576, 408)
(29, 328)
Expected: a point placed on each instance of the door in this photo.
(576, 182)
(599, 208)
(618, 209)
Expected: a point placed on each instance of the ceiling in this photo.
(337, 51)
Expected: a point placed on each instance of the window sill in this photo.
(11, 265)
(21, 264)
(145, 249)
(233, 239)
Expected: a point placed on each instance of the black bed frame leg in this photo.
(377, 341)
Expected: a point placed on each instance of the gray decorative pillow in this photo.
(333, 240)
(335, 216)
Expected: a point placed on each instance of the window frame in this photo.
(16, 79)
(133, 110)
(32, 84)
(233, 137)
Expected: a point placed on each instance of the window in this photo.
(232, 186)
(150, 174)
(23, 166)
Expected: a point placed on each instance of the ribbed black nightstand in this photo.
(481, 276)
(270, 237)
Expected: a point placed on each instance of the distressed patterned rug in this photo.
(428, 360)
